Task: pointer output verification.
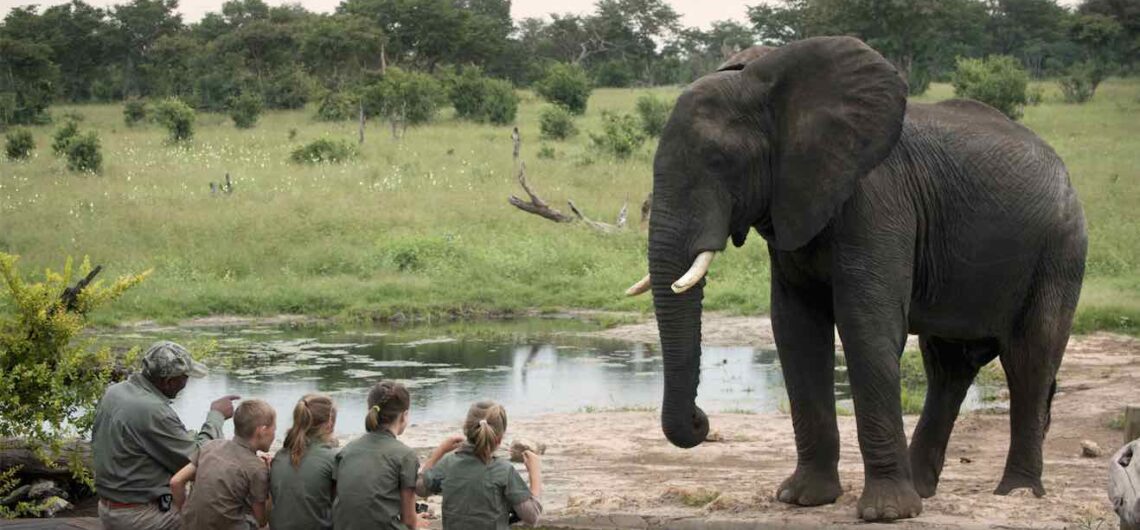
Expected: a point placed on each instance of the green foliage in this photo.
(997, 80)
(134, 112)
(547, 152)
(556, 123)
(288, 89)
(324, 150)
(918, 81)
(1080, 82)
(27, 82)
(19, 144)
(84, 153)
(245, 110)
(481, 99)
(501, 103)
(621, 135)
(336, 106)
(177, 117)
(63, 136)
(51, 376)
(566, 85)
(654, 113)
(407, 98)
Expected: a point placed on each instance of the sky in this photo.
(698, 13)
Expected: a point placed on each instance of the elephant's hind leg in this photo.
(950, 369)
(1031, 361)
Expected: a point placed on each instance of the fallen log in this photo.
(1124, 485)
(19, 452)
(536, 205)
(597, 225)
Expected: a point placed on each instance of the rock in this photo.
(714, 436)
(53, 505)
(965, 460)
(42, 489)
(519, 446)
(1089, 449)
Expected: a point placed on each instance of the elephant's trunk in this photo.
(679, 326)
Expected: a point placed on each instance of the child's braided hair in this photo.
(386, 402)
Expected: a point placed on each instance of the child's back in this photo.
(476, 495)
(229, 479)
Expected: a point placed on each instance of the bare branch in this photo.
(597, 225)
(536, 205)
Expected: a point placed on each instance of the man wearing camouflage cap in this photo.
(139, 442)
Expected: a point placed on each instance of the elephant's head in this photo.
(776, 140)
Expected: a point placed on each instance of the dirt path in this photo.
(616, 470)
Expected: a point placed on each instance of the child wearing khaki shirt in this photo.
(231, 483)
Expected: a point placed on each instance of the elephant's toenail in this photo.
(890, 514)
(870, 514)
(804, 501)
(786, 496)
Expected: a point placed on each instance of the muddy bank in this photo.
(616, 470)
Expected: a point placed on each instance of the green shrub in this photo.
(998, 81)
(50, 369)
(177, 117)
(20, 144)
(547, 152)
(1080, 82)
(1034, 96)
(621, 135)
(501, 103)
(567, 85)
(84, 153)
(63, 136)
(336, 106)
(245, 109)
(407, 98)
(324, 150)
(654, 113)
(467, 92)
(134, 112)
(290, 89)
(918, 81)
(556, 123)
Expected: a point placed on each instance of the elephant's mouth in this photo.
(694, 275)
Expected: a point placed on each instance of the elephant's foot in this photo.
(1011, 481)
(810, 488)
(888, 500)
(924, 473)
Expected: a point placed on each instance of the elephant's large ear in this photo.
(837, 108)
(741, 58)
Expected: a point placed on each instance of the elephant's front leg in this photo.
(871, 303)
(805, 338)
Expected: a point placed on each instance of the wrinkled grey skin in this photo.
(948, 221)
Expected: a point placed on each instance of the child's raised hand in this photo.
(451, 443)
(531, 460)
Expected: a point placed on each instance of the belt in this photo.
(120, 505)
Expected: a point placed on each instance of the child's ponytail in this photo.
(484, 428)
(310, 415)
(386, 402)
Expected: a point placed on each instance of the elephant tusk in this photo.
(640, 287)
(696, 272)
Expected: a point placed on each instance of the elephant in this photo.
(881, 218)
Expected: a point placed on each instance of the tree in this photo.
(566, 85)
(337, 49)
(27, 81)
(79, 37)
(1127, 14)
(139, 24)
(404, 98)
(1031, 30)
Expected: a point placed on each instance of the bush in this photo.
(621, 135)
(1034, 96)
(567, 85)
(555, 122)
(1080, 82)
(918, 81)
(324, 150)
(49, 369)
(84, 153)
(19, 144)
(290, 89)
(336, 106)
(134, 112)
(997, 80)
(63, 136)
(407, 98)
(501, 103)
(547, 152)
(245, 109)
(654, 113)
(177, 117)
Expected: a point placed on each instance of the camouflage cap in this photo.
(169, 359)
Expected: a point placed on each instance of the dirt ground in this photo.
(616, 470)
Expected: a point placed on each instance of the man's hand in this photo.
(225, 405)
(266, 458)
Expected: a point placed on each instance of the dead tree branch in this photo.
(536, 205)
(597, 225)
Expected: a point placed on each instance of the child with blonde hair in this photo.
(465, 475)
(376, 473)
(301, 478)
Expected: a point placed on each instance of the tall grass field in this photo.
(421, 225)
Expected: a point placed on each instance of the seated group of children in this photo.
(371, 483)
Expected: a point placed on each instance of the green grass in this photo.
(421, 226)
